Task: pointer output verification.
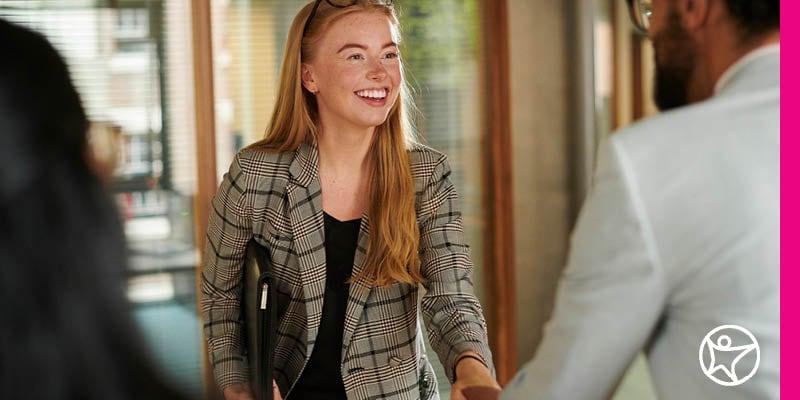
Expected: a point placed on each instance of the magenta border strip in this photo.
(789, 197)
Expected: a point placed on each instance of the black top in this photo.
(322, 377)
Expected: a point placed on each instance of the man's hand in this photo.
(471, 373)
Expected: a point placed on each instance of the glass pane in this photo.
(128, 60)
(441, 54)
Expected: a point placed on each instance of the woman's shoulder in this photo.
(422, 155)
(260, 161)
(426, 161)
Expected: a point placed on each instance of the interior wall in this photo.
(541, 125)
(550, 154)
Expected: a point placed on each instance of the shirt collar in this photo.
(759, 52)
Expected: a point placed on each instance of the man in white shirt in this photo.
(680, 232)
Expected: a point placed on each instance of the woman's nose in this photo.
(377, 71)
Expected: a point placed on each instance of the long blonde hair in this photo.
(393, 248)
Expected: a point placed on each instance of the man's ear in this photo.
(694, 13)
(307, 75)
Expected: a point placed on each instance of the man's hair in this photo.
(755, 17)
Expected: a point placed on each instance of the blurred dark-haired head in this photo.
(67, 332)
(42, 118)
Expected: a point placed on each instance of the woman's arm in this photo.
(229, 231)
(452, 313)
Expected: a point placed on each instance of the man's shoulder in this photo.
(697, 123)
(667, 126)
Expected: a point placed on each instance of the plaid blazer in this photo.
(275, 199)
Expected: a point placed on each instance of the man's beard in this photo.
(675, 55)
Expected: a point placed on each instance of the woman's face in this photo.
(355, 70)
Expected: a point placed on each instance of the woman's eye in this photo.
(391, 55)
(356, 57)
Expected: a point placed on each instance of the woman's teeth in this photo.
(372, 94)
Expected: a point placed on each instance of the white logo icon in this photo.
(723, 348)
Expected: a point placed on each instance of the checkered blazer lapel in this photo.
(306, 214)
(307, 224)
(359, 290)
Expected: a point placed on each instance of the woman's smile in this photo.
(375, 97)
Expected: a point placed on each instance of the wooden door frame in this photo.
(498, 196)
(205, 152)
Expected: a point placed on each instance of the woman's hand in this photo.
(242, 391)
(471, 373)
(238, 391)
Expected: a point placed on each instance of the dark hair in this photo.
(67, 331)
(755, 16)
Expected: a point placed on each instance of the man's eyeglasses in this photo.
(337, 4)
(641, 11)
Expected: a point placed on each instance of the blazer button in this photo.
(394, 361)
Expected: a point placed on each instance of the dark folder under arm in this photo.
(261, 318)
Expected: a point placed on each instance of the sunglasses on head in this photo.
(337, 4)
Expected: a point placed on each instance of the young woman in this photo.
(355, 216)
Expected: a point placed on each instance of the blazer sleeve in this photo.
(451, 311)
(609, 299)
(229, 230)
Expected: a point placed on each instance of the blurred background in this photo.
(517, 93)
